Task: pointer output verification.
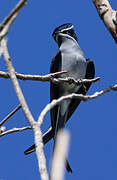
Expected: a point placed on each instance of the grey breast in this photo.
(74, 63)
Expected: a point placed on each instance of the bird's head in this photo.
(64, 31)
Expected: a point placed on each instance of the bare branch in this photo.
(58, 161)
(50, 77)
(14, 130)
(16, 84)
(4, 28)
(34, 125)
(10, 114)
(71, 80)
(73, 96)
(108, 15)
(5, 25)
(39, 152)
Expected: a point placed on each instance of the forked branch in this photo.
(5, 25)
(32, 122)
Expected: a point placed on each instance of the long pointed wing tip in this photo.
(28, 151)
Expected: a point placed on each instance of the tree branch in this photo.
(10, 114)
(50, 77)
(4, 28)
(14, 130)
(15, 83)
(71, 80)
(73, 96)
(5, 25)
(32, 122)
(108, 15)
(58, 101)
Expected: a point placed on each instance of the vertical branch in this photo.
(108, 15)
(4, 28)
(15, 83)
(34, 125)
(40, 153)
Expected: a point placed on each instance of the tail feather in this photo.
(68, 167)
(46, 137)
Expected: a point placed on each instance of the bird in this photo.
(69, 58)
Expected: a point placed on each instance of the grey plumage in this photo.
(69, 58)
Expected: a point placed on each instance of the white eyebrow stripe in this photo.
(67, 28)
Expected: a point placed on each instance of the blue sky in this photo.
(93, 127)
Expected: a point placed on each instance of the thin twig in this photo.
(15, 130)
(5, 25)
(73, 96)
(10, 114)
(47, 77)
(71, 80)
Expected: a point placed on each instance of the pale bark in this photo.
(108, 16)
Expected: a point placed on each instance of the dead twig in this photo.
(5, 25)
(10, 114)
(50, 77)
(14, 130)
(75, 96)
(71, 80)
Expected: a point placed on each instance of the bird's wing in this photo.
(90, 73)
(55, 67)
(54, 88)
(54, 94)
